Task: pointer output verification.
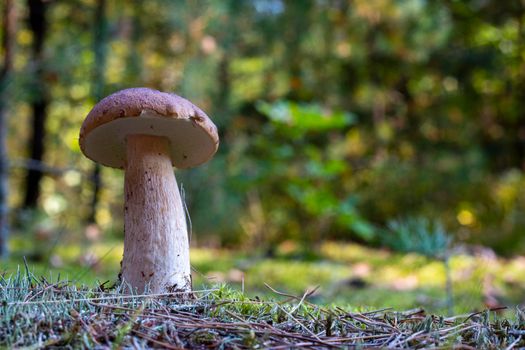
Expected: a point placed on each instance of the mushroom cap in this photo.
(193, 136)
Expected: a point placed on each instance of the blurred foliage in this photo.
(425, 237)
(293, 176)
(419, 235)
(335, 116)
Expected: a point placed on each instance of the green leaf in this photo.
(305, 117)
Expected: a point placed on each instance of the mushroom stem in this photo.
(156, 248)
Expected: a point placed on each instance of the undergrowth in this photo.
(36, 313)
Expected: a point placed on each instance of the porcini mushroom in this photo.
(147, 132)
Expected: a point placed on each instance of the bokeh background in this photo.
(372, 147)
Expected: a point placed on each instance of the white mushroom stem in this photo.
(156, 248)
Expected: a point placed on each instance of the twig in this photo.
(513, 344)
(281, 293)
(480, 312)
(306, 294)
(303, 326)
(163, 344)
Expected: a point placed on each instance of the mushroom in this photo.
(147, 132)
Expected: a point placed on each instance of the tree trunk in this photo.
(520, 93)
(40, 101)
(9, 30)
(99, 48)
(295, 16)
(134, 59)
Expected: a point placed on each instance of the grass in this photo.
(247, 301)
(347, 275)
(37, 313)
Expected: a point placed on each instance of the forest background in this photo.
(338, 119)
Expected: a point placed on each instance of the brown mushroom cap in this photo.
(193, 136)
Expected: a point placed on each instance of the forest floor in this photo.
(342, 274)
(55, 295)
